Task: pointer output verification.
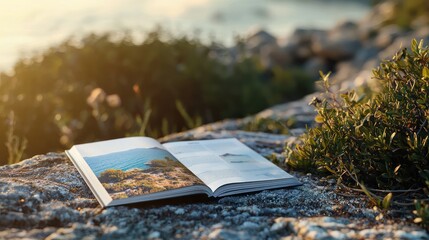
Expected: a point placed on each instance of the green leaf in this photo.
(392, 137)
(421, 44)
(319, 119)
(375, 200)
(397, 169)
(414, 45)
(386, 201)
(330, 170)
(425, 72)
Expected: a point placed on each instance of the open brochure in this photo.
(139, 169)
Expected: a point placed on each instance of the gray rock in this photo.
(179, 211)
(258, 40)
(340, 228)
(305, 36)
(387, 35)
(340, 43)
(278, 226)
(364, 55)
(363, 78)
(345, 74)
(223, 234)
(404, 42)
(45, 197)
(271, 55)
(420, 22)
(249, 225)
(410, 235)
(314, 65)
(375, 19)
(283, 56)
(154, 235)
(298, 46)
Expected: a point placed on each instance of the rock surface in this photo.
(45, 198)
(345, 50)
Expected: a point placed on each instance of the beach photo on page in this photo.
(140, 171)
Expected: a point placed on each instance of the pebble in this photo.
(195, 214)
(249, 225)
(278, 226)
(179, 211)
(228, 235)
(154, 235)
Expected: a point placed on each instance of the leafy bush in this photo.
(164, 163)
(422, 213)
(381, 142)
(108, 86)
(404, 12)
(112, 176)
(269, 125)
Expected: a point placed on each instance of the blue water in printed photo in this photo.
(126, 160)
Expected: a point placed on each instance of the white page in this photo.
(224, 161)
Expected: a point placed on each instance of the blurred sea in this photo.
(27, 27)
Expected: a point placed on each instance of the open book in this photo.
(139, 169)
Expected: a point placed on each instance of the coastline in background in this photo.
(28, 27)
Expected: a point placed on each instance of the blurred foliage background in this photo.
(106, 86)
(404, 12)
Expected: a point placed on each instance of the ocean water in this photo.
(130, 159)
(29, 27)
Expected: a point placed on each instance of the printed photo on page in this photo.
(136, 170)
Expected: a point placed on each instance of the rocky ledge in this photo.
(45, 197)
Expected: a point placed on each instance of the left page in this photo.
(125, 168)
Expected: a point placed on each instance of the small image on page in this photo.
(135, 166)
(224, 161)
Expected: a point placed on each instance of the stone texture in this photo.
(387, 35)
(298, 45)
(341, 43)
(44, 197)
(314, 65)
(259, 39)
(342, 228)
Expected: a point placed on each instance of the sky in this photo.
(116, 145)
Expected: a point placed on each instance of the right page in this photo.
(224, 161)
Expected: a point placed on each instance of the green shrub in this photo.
(422, 213)
(108, 87)
(381, 142)
(269, 125)
(112, 176)
(404, 12)
(167, 163)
